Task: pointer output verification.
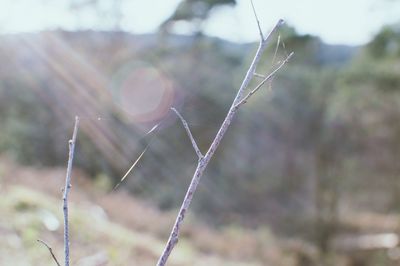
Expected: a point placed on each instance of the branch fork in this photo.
(189, 133)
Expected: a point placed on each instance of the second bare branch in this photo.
(71, 146)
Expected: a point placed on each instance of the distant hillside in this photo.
(328, 54)
(337, 55)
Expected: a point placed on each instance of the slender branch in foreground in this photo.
(202, 164)
(50, 250)
(71, 146)
(269, 77)
(186, 126)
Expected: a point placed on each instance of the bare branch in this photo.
(71, 145)
(258, 22)
(186, 126)
(50, 250)
(202, 164)
(267, 78)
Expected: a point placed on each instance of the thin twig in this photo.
(258, 22)
(71, 145)
(276, 50)
(202, 164)
(153, 130)
(130, 169)
(259, 76)
(284, 48)
(267, 78)
(186, 126)
(273, 59)
(50, 250)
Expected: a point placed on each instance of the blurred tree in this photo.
(107, 12)
(386, 43)
(194, 11)
(369, 99)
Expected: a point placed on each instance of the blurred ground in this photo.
(110, 229)
(118, 229)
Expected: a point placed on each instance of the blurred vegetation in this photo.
(194, 11)
(317, 144)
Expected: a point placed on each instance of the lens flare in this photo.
(143, 92)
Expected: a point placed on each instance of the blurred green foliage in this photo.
(196, 9)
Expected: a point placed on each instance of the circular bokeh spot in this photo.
(144, 93)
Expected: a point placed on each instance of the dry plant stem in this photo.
(202, 164)
(50, 250)
(71, 145)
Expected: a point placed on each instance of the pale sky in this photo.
(336, 22)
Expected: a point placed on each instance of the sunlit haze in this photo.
(346, 22)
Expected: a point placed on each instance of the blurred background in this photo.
(307, 174)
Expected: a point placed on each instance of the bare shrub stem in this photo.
(71, 146)
(204, 160)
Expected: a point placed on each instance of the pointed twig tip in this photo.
(257, 20)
